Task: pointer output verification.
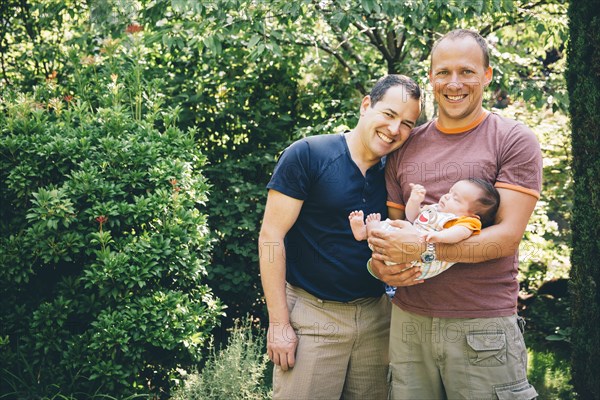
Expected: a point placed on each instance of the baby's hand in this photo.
(417, 192)
(431, 237)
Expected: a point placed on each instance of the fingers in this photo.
(398, 275)
(284, 359)
(381, 257)
(281, 346)
(397, 223)
(408, 277)
(379, 250)
(291, 360)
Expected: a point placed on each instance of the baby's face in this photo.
(460, 199)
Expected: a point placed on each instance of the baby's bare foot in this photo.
(373, 217)
(357, 224)
(373, 221)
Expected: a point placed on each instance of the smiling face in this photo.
(459, 76)
(385, 126)
(461, 199)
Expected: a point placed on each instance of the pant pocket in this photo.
(520, 390)
(486, 348)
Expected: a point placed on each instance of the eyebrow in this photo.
(396, 114)
(460, 67)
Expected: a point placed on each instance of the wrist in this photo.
(279, 319)
(413, 202)
(429, 255)
(371, 271)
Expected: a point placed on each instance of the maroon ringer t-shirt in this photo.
(497, 149)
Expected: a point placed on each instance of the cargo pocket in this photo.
(486, 349)
(520, 390)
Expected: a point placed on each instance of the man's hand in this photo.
(396, 275)
(401, 245)
(281, 345)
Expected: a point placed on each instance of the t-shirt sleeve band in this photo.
(395, 205)
(521, 189)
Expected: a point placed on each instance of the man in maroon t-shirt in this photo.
(457, 335)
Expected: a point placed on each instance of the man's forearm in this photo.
(493, 242)
(272, 273)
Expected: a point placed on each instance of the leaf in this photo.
(367, 5)
(254, 40)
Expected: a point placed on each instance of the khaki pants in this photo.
(342, 349)
(450, 358)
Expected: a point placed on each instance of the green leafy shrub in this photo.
(234, 372)
(104, 246)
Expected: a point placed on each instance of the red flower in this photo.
(68, 98)
(134, 28)
(102, 219)
(52, 76)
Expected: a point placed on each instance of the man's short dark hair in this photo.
(488, 203)
(461, 33)
(381, 87)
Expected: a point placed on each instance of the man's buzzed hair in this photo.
(461, 33)
(393, 80)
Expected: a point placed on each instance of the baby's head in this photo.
(472, 197)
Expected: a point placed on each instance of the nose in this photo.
(455, 81)
(395, 126)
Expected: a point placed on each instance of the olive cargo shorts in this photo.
(454, 358)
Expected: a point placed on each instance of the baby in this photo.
(470, 205)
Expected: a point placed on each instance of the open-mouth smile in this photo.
(455, 97)
(385, 138)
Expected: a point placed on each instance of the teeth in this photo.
(384, 138)
(455, 97)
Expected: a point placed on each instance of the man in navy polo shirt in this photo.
(328, 317)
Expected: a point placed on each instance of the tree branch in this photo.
(521, 18)
(329, 51)
(376, 40)
(340, 36)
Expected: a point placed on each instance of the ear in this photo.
(364, 104)
(489, 74)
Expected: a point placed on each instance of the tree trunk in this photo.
(583, 81)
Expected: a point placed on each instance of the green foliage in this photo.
(369, 37)
(104, 243)
(550, 374)
(583, 80)
(235, 372)
(544, 252)
(33, 36)
(243, 79)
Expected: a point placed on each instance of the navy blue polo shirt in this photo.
(322, 256)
